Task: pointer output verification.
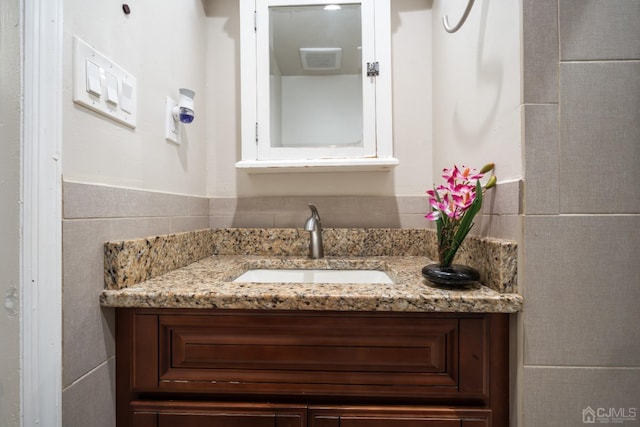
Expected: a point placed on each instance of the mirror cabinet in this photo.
(315, 85)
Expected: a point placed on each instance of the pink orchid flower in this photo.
(464, 196)
(451, 202)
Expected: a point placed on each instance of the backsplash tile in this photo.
(197, 206)
(504, 199)
(506, 227)
(349, 212)
(292, 211)
(98, 201)
(182, 224)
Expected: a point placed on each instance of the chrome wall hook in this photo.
(449, 28)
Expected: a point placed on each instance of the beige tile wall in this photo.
(579, 255)
(540, 47)
(499, 217)
(92, 215)
(600, 136)
(335, 211)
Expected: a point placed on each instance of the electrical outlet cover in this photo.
(172, 126)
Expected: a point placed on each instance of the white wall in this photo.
(10, 109)
(477, 87)
(411, 53)
(475, 114)
(162, 46)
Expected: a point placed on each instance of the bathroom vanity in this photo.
(190, 367)
(195, 349)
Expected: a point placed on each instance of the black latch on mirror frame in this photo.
(373, 69)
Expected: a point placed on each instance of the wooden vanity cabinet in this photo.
(207, 414)
(237, 368)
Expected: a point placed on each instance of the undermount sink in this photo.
(313, 276)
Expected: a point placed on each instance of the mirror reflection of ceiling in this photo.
(299, 27)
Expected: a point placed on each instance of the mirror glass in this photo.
(315, 76)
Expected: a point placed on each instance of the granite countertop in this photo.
(208, 284)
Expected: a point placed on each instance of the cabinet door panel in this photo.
(291, 420)
(325, 354)
(162, 413)
(216, 420)
(144, 420)
(398, 422)
(397, 416)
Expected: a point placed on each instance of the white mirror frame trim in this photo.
(382, 159)
(41, 242)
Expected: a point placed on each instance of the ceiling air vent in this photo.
(321, 58)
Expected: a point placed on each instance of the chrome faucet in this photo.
(314, 227)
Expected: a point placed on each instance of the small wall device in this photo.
(179, 112)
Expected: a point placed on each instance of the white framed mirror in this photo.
(316, 85)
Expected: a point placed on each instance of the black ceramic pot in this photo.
(455, 275)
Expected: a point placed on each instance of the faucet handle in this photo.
(314, 212)
(313, 222)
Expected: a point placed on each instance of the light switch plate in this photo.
(98, 84)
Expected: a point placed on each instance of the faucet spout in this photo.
(314, 227)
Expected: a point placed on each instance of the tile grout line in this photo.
(86, 374)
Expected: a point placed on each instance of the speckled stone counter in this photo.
(160, 272)
(208, 284)
(132, 261)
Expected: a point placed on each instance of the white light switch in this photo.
(102, 86)
(112, 88)
(94, 84)
(126, 101)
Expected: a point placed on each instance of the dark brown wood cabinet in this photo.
(237, 368)
(398, 416)
(211, 414)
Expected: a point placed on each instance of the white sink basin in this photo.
(313, 276)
